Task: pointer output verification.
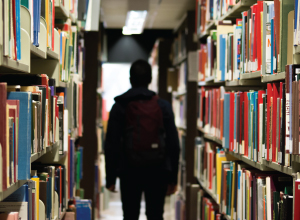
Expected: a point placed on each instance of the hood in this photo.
(135, 94)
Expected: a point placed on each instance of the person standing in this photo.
(142, 147)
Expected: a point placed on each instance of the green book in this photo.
(276, 199)
(25, 3)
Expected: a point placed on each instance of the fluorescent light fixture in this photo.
(135, 21)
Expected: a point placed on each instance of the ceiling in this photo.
(162, 14)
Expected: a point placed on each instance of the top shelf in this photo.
(234, 12)
(60, 11)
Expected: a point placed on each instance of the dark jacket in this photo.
(113, 143)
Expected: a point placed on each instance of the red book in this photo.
(14, 29)
(3, 134)
(231, 122)
(241, 114)
(238, 20)
(206, 108)
(258, 31)
(60, 185)
(201, 104)
(281, 114)
(211, 164)
(80, 110)
(269, 106)
(274, 121)
(246, 123)
(221, 118)
(297, 200)
(14, 113)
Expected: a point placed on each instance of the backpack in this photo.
(144, 133)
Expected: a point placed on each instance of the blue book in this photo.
(83, 209)
(226, 119)
(295, 21)
(81, 159)
(249, 124)
(272, 46)
(25, 121)
(20, 195)
(222, 53)
(18, 28)
(256, 125)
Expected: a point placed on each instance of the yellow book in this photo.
(47, 19)
(220, 157)
(37, 192)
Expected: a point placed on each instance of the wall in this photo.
(127, 49)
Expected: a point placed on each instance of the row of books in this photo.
(257, 124)
(46, 194)
(241, 191)
(260, 41)
(207, 208)
(209, 10)
(179, 47)
(11, 29)
(72, 51)
(34, 117)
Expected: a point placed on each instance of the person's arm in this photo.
(172, 141)
(113, 144)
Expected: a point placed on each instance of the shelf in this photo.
(246, 160)
(12, 189)
(36, 52)
(63, 84)
(297, 49)
(209, 192)
(36, 156)
(278, 167)
(13, 66)
(210, 82)
(180, 93)
(227, 217)
(273, 77)
(61, 156)
(212, 138)
(73, 19)
(183, 128)
(210, 26)
(52, 55)
(236, 10)
(60, 11)
(242, 82)
(181, 60)
(251, 75)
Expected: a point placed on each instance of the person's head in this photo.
(140, 74)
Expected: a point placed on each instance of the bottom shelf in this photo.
(213, 196)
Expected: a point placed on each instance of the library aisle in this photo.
(229, 70)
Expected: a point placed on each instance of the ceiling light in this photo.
(135, 21)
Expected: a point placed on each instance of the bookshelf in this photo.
(217, 29)
(46, 65)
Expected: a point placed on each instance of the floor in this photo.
(114, 212)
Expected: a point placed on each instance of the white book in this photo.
(260, 132)
(268, 186)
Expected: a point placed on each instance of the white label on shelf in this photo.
(297, 71)
(299, 187)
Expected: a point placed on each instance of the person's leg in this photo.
(155, 193)
(131, 193)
